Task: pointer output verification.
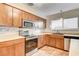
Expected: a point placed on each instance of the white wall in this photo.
(68, 14)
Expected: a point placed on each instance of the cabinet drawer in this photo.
(11, 42)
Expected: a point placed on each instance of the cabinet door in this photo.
(51, 41)
(33, 17)
(5, 15)
(2, 15)
(20, 49)
(41, 41)
(17, 17)
(7, 51)
(60, 43)
(25, 16)
(30, 17)
(8, 15)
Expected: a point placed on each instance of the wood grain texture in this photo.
(13, 47)
(5, 15)
(19, 49)
(53, 40)
(41, 41)
(12, 16)
(17, 17)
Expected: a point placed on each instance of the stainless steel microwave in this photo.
(28, 24)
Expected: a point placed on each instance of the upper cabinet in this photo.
(25, 16)
(17, 17)
(71, 23)
(11, 16)
(5, 15)
(30, 16)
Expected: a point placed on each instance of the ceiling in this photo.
(47, 9)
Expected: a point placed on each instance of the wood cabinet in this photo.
(25, 16)
(56, 40)
(30, 17)
(18, 50)
(7, 51)
(17, 17)
(53, 40)
(60, 42)
(13, 47)
(11, 16)
(5, 15)
(8, 13)
(41, 41)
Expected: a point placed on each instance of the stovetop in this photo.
(28, 37)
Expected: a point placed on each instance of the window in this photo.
(56, 24)
(71, 23)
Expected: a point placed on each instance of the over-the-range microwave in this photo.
(28, 24)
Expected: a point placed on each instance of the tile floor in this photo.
(49, 51)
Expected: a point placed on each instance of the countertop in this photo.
(10, 38)
(6, 36)
(71, 36)
(74, 36)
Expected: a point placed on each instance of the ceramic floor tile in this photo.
(49, 51)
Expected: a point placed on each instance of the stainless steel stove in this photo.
(31, 41)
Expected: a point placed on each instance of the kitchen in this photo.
(24, 33)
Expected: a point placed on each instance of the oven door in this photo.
(31, 44)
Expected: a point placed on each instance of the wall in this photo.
(67, 14)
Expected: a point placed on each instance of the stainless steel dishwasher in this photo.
(66, 43)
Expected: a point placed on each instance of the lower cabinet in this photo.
(50, 40)
(13, 48)
(41, 41)
(7, 51)
(60, 42)
(53, 40)
(19, 49)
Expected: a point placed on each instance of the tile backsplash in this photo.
(8, 29)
